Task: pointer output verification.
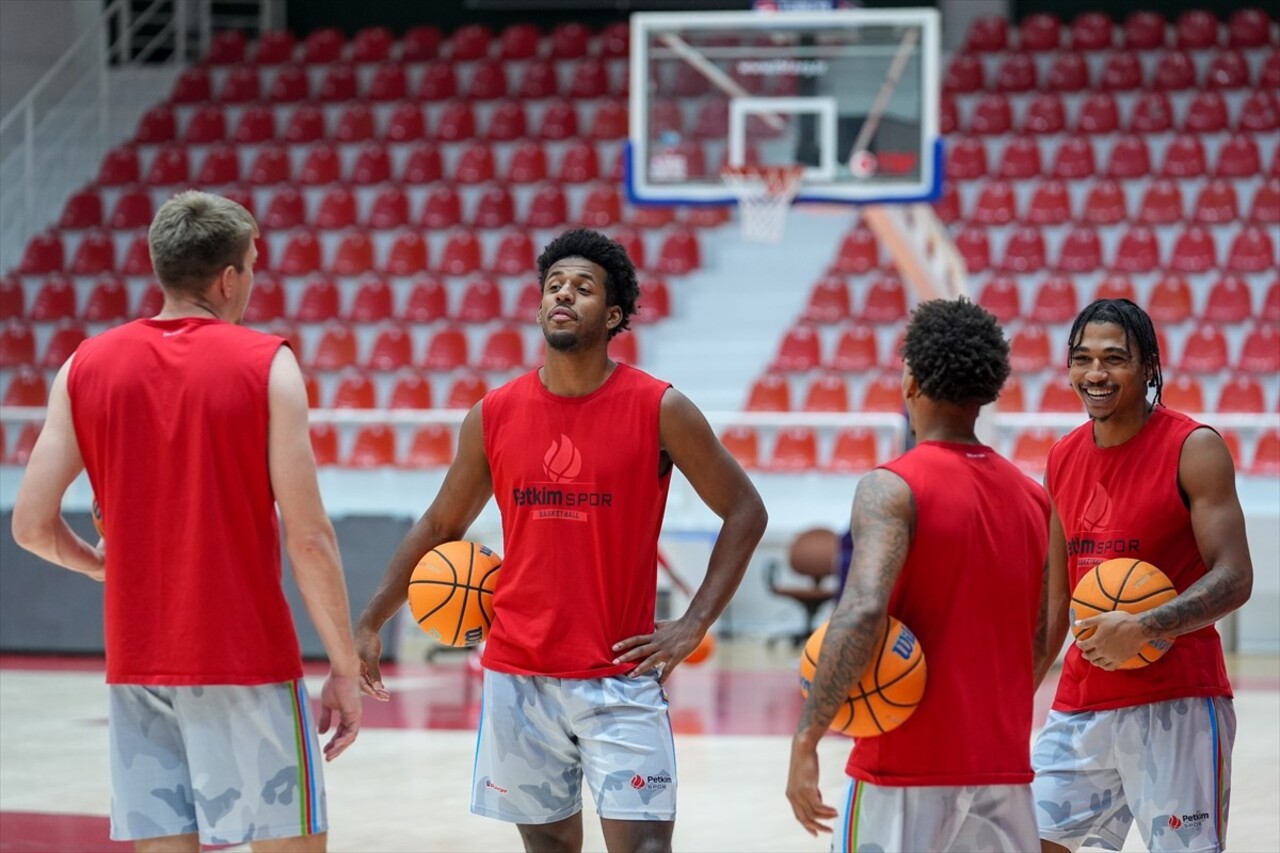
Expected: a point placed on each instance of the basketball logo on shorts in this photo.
(562, 461)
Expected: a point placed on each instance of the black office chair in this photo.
(814, 554)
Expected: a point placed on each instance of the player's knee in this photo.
(559, 837)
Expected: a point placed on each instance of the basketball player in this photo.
(1144, 482)
(950, 539)
(579, 455)
(193, 429)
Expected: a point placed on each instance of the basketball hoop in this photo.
(764, 195)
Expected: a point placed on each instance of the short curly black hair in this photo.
(957, 352)
(621, 287)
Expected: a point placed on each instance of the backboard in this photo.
(851, 94)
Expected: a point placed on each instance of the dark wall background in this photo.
(303, 16)
(44, 608)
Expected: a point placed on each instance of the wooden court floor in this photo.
(404, 785)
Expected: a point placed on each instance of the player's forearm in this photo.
(53, 540)
(736, 542)
(851, 638)
(1219, 592)
(317, 569)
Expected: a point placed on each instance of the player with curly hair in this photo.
(578, 455)
(950, 539)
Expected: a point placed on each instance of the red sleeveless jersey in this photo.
(1124, 501)
(171, 417)
(576, 480)
(970, 592)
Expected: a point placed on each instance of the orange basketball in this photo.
(1125, 584)
(95, 513)
(451, 592)
(888, 691)
(703, 650)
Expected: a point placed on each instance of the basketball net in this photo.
(764, 195)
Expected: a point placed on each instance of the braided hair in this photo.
(1138, 329)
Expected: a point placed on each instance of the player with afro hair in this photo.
(620, 273)
(957, 352)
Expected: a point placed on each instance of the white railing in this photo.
(52, 141)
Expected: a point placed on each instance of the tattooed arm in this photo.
(884, 516)
(1206, 477)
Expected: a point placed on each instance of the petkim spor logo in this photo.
(562, 462)
(1190, 821)
(656, 782)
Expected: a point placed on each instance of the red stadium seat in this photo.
(83, 209)
(1029, 349)
(623, 348)
(854, 451)
(119, 167)
(948, 119)
(996, 204)
(1253, 250)
(338, 84)
(470, 42)
(743, 444)
(475, 164)
(507, 122)
(442, 209)
(1242, 394)
(964, 75)
(1068, 73)
(608, 122)
(538, 81)
(1058, 396)
(156, 126)
(578, 164)
(1040, 32)
(966, 159)
(1205, 350)
(26, 388)
(559, 121)
(883, 393)
(324, 444)
(355, 391)
(152, 301)
(828, 301)
(1265, 208)
(1170, 301)
(265, 305)
(439, 82)
(589, 78)
(137, 258)
(519, 41)
(17, 344)
(336, 349)
(420, 43)
(390, 209)
(991, 115)
(856, 349)
(1098, 114)
(431, 447)
(372, 44)
(1152, 113)
(466, 391)
(769, 393)
(270, 166)
(987, 34)
(1217, 203)
(1130, 158)
(1184, 158)
(95, 255)
(407, 255)
(301, 254)
(226, 48)
(1116, 286)
(528, 163)
(221, 166)
(461, 254)
(1055, 301)
(108, 302)
(1011, 397)
(602, 206)
(526, 305)
(503, 350)
(1016, 72)
(44, 254)
(355, 123)
(193, 86)
(374, 447)
(515, 254)
(290, 86)
(975, 248)
(323, 165)
(427, 301)
(947, 207)
(240, 86)
(273, 48)
(354, 255)
(285, 210)
(1184, 393)
(1045, 114)
(1049, 205)
(62, 343)
(547, 208)
(1248, 28)
(1020, 159)
(1260, 113)
(337, 209)
(423, 166)
(1000, 296)
(169, 167)
(306, 124)
(1092, 31)
(1074, 158)
(488, 81)
(1161, 203)
(1025, 250)
(412, 390)
(481, 302)
(319, 302)
(655, 300)
(858, 252)
(1266, 456)
(795, 449)
(457, 122)
(1261, 350)
(373, 302)
(1271, 302)
(1206, 113)
(392, 350)
(132, 209)
(13, 298)
(406, 124)
(1193, 251)
(1195, 29)
(1138, 251)
(1227, 70)
(1144, 31)
(1238, 157)
(1081, 251)
(798, 350)
(1121, 72)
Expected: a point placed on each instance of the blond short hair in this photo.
(195, 236)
